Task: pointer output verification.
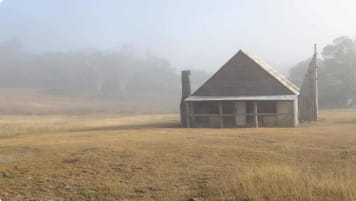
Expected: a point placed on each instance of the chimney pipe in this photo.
(186, 90)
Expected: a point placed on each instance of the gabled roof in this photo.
(246, 75)
(280, 77)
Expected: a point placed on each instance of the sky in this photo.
(196, 34)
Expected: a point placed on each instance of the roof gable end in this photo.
(246, 75)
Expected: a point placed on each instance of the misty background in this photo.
(126, 56)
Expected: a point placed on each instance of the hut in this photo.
(245, 92)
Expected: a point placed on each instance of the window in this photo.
(228, 107)
(213, 107)
(267, 107)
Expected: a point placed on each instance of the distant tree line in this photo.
(336, 73)
(123, 75)
(114, 74)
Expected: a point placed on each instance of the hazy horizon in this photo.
(198, 35)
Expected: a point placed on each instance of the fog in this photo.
(119, 76)
(198, 34)
(134, 50)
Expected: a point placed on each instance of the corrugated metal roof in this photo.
(280, 77)
(246, 75)
(240, 98)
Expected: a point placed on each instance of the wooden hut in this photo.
(245, 92)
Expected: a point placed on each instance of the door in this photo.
(240, 113)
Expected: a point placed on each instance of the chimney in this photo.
(315, 48)
(186, 91)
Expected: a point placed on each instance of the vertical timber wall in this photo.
(241, 114)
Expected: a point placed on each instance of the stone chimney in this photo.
(186, 90)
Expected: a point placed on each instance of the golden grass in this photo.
(110, 157)
(36, 101)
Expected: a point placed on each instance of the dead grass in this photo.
(37, 102)
(110, 157)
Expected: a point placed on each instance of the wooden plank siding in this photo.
(284, 116)
(308, 99)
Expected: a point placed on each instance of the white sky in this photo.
(200, 34)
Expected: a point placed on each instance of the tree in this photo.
(338, 78)
(337, 73)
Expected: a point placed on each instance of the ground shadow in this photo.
(131, 127)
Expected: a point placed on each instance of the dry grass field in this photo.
(39, 102)
(104, 157)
